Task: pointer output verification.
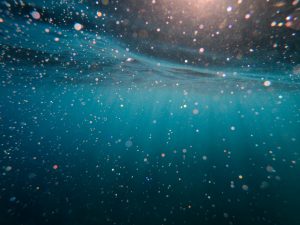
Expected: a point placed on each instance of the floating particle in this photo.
(1, 20)
(288, 18)
(225, 215)
(31, 175)
(232, 128)
(270, 169)
(105, 2)
(129, 60)
(247, 16)
(264, 185)
(232, 184)
(163, 155)
(280, 24)
(128, 144)
(35, 15)
(158, 29)
(229, 9)
(245, 187)
(273, 24)
(289, 24)
(47, 30)
(184, 150)
(295, 2)
(195, 111)
(55, 166)
(8, 168)
(99, 14)
(78, 26)
(204, 157)
(279, 4)
(201, 50)
(267, 83)
(12, 199)
(241, 177)
(56, 39)
(296, 70)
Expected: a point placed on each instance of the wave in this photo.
(37, 49)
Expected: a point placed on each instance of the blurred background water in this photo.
(106, 120)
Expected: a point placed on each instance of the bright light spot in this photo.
(78, 26)
(201, 50)
(247, 16)
(55, 166)
(35, 15)
(99, 14)
(273, 24)
(229, 9)
(267, 83)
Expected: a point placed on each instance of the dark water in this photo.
(112, 124)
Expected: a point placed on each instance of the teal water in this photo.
(131, 156)
(93, 131)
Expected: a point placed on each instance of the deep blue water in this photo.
(96, 129)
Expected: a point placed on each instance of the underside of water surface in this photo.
(150, 112)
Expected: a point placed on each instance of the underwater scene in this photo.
(150, 112)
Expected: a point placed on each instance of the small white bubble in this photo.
(267, 83)
(128, 144)
(270, 169)
(8, 168)
(245, 187)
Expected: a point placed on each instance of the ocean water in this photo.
(98, 129)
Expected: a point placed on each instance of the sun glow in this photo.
(198, 8)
